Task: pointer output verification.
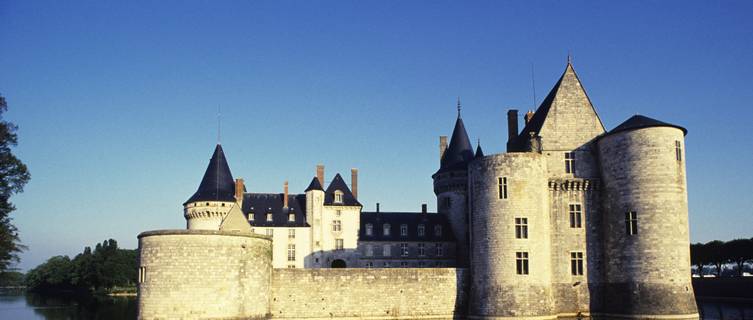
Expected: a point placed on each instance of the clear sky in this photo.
(116, 103)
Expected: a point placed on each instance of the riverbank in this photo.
(733, 289)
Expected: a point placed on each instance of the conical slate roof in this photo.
(314, 185)
(459, 152)
(218, 183)
(639, 122)
(479, 152)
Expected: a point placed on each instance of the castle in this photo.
(571, 221)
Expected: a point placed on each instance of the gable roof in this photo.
(568, 79)
(339, 184)
(217, 183)
(459, 152)
(638, 122)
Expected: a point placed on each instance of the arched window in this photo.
(338, 196)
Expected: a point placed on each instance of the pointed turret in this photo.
(314, 185)
(460, 151)
(218, 183)
(565, 120)
(479, 152)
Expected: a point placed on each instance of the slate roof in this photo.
(479, 152)
(412, 219)
(217, 183)
(314, 185)
(639, 122)
(460, 152)
(259, 204)
(339, 184)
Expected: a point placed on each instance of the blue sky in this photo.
(116, 102)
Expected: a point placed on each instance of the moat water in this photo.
(22, 306)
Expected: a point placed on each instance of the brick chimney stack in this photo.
(377, 207)
(285, 195)
(512, 124)
(442, 146)
(239, 189)
(423, 208)
(354, 182)
(320, 174)
(528, 116)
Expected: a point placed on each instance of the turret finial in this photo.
(459, 106)
(569, 57)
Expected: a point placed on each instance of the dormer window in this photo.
(386, 229)
(269, 217)
(369, 229)
(437, 231)
(404, 230)
(338, 196)
(421, 230)
(250, 216)
(291, 217)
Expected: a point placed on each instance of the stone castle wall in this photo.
(647, 273)
(200, 274)
(399, 293)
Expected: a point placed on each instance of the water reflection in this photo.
(713, 310)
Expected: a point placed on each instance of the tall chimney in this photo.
(529, 116)
(320, 174)
(512, 124)
(285, 195)
(239, 189)
(442, 146)
(377, 207)
(354, 182)
(423, 208)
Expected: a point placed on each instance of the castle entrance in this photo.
(338, 263)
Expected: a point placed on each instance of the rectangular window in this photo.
(386, 250)
(404, 230)
(421, 249)
(569, 162)
(291, 217)
(142, 274)
(250, 216)
(291, 233)
(386, 229)
(575, 215)
(521, 263)
(404, 264)
(269, 217)
(502, 182)
(336, 226)
(291, 252)
(576, 263)
(421, 230)
(369, 230)
(404, 249)
(270, 232)
(521, 228)
(338, 213)
(291, 266)
(678, 150)
(440, 249)
(339, 244)
(631, 223)
(437, 231)
(369, 250)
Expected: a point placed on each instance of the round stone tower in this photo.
(211, 203)
(510, 238)
(451, 186)
(647, 255)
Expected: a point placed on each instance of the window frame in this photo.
(522, 263)
(502, 188)
(577, 259)
(404, 252)
(570, 162)
(631, 223)
(576, 215)
(521, 228)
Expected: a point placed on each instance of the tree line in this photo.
(719, 253)
(100, 270)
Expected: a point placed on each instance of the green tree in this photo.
(699, 256)
(739, 252)
(13, 177)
